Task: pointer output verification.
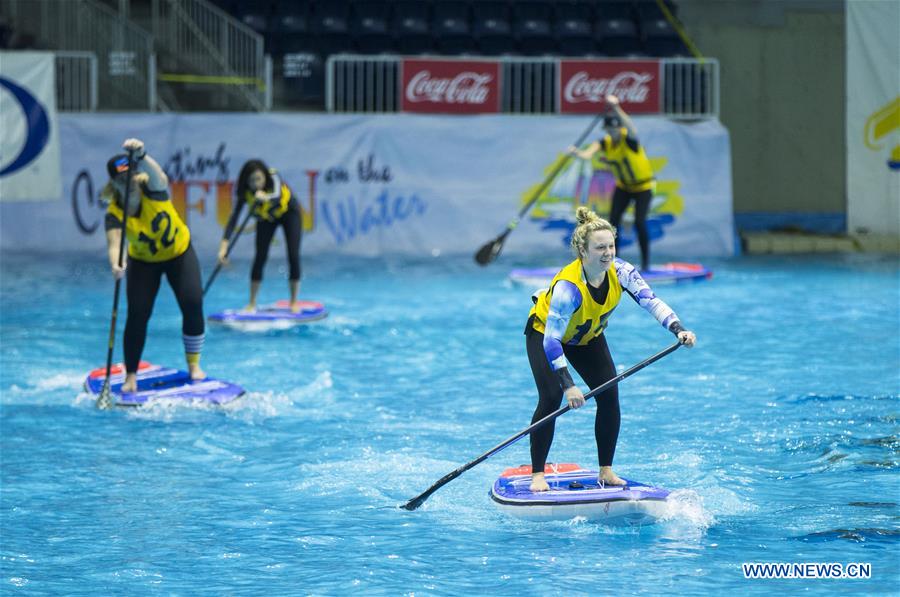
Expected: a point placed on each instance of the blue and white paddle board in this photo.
(276, 316)
(667, 273)
(575, 491)
(161, 383)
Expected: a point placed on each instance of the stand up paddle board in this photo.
(575, 491)
(276, 316)
(161, 383)
(667, 273)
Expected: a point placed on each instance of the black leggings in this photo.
(293, 230)
(595, 365)
(183, 274)
(621, 199)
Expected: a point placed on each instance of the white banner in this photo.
(29, 144)
(391, 184)
(873, 116)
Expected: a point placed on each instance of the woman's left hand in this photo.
(260, 195)
(136, 146)
(687, 338)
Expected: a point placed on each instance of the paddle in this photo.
(489, 251)
(420, 499)
(105, 400)
(231, 244)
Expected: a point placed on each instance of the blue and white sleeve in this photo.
(635, 285)
(564, 301)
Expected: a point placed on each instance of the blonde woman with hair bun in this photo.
(567, 324)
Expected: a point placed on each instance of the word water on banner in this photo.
(584, 85)
(450, 86)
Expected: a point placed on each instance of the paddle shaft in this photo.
(420, 499)
(231, 244)
(104, 401)
(489, 252)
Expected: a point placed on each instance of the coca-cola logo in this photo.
(628, 86)
(465, 88)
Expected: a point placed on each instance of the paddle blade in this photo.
(412, 504)
(489, 252)
(105, 399)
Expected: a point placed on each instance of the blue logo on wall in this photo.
(38, 127)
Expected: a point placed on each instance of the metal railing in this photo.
(76, 81)
(216, 48)
(690, 87)
(354, 83)
(363, 84)
(123, 51)
(529, 85)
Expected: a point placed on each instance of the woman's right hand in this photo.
(575, 397)
(223, 252)
(117, 271)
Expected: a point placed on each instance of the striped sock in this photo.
(193, 346)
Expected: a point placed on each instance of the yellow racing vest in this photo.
(631, 168)
(589, 320)
(270, 210)
(156, 233)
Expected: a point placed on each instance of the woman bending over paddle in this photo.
(567, 322)
(273, 204)
(158, 243)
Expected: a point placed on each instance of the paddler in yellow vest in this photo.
(270, 199)
(628, 162)
(566, 325)
(158, 243)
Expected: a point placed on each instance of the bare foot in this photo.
(130, 384)
(608, 477)
(196, 372)
(538, 483)
(250, 308)
(296, 306)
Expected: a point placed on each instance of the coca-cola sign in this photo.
(584, 85)
(450, 86)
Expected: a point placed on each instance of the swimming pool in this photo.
(778, 434)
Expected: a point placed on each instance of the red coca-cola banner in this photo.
(583, 85)
(450, 86)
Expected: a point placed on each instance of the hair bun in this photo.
(584, 215)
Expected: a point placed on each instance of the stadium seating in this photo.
(573, 27)
(532, 27)
(410, 27)
(451, 27)
(492, 26)
(615, 28)
(371, 26)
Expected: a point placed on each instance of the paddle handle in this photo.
(488, 252)
(420, 499)
(553, 173)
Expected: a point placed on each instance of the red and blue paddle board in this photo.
(155, 382)
(576, 492)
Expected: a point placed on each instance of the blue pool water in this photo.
(778, 435)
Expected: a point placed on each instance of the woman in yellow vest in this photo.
(629, 164)
(158, 243)
(566, 325)
(262, 190)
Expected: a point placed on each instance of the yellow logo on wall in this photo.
(592, 184)
(883, 123)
